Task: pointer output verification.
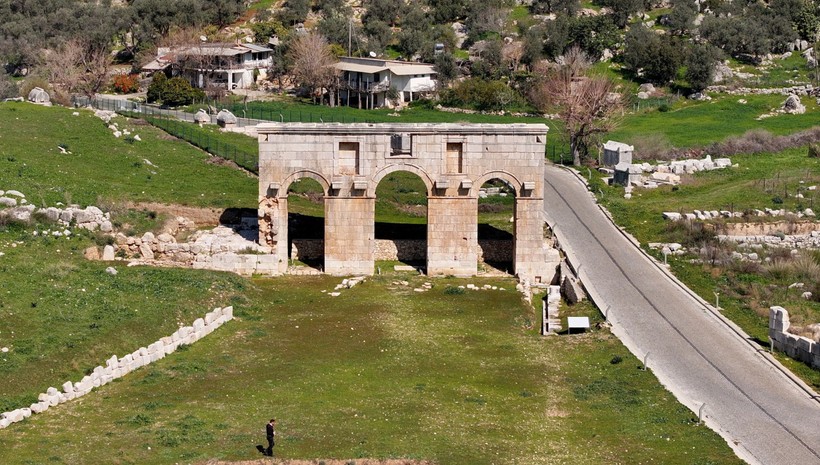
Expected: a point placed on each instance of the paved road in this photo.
(764, 414)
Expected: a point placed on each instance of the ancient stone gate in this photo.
(453, 161)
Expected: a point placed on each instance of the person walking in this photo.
(270, 432)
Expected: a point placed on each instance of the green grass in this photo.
(101, 166)
(694, 124)
(380, 371)
(754, 184)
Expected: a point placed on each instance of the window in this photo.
(349, 158)
(455, 157)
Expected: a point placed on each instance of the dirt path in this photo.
(320, 462)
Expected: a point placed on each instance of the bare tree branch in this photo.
(588, 105)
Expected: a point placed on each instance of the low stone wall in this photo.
(797, 347)
(404, 249)
(118, 367)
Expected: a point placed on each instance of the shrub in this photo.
(481, 94)
(32, 82)
(172, 92)
(814, 151)
(126, 83)
(652, 146)
(450, 290)
(8, 89)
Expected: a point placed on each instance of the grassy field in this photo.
(697, 124)
(380, 371)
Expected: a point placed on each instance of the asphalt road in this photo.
(764, 413)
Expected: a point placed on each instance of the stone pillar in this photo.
(273, 228)
(349, 235)
(452, 236)
(531, 260)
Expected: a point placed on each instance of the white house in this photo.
(368, 82)
(232, 66)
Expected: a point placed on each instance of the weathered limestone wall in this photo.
(118, 367)
(531, 252)
(453, 161)
(349, 235)
(452, 236)
(489, 250)
(797, 347)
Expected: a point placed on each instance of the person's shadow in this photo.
(261, 449)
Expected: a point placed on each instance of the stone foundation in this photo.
(490, 250)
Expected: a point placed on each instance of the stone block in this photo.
(68, 387)
(199, 324)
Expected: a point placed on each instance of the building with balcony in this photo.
(231, 66)
(375, 83)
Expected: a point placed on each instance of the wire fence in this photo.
(178, 124)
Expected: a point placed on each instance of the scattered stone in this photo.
(793, 106)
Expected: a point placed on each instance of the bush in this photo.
(814, 151)
(173, 92)
(482, 95)
(126, 83)
(32, 82)
(8, 89)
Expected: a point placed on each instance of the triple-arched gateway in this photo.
(453, 161)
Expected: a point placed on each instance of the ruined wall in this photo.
(797, 347)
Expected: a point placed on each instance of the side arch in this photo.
(296, 175)
(505, 176)
(392, 168)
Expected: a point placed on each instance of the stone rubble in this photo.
(704, 215)
(117, 367)
(650, 176)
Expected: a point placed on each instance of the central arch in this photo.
(400, 220)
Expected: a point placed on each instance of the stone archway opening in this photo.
(306, 223)
(496, 226)
(400, 226)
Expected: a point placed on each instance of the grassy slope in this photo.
(104, 167)
(692, 124)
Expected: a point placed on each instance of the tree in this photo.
(623, 9)
(700, 66)
(565, 7)
(682, 16)
(173, 92)
(446, 69)
(312, 65)
(78, 66)
(587, 104)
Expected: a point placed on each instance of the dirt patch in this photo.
(419, 211)
(165, 136)
(320, 461)
(219, 161)
(199, 215)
